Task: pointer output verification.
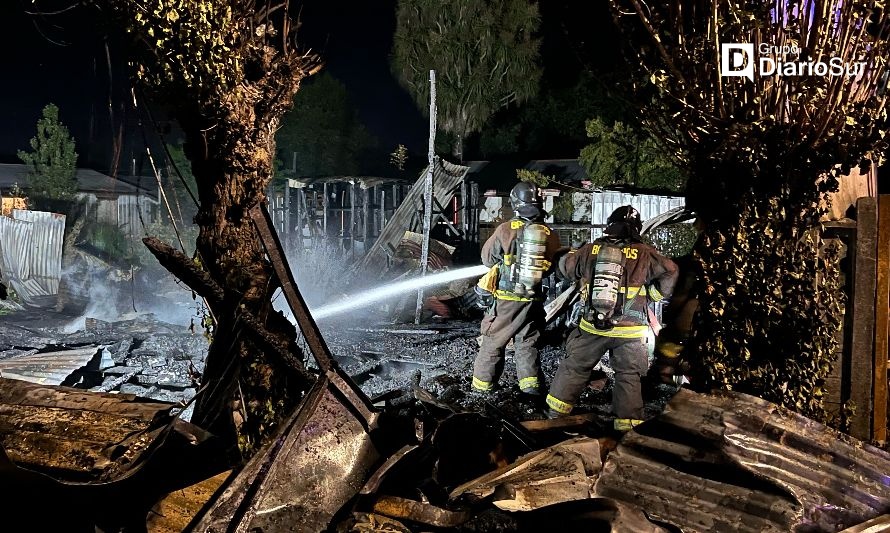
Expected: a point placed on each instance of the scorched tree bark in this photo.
(228, 70)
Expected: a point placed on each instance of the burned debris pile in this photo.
(726, 462)
(390, 438)
(80, 460)
(141, 356)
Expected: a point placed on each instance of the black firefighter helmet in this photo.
(525, 200)
(624, 221)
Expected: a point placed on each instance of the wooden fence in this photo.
(859, 379)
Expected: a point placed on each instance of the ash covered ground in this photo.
(384, 358)
(142, 355)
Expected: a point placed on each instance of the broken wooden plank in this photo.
(560, 473)
(875, 525)
(176, 510)
(424, 513)
(561, 423)
(13, 392)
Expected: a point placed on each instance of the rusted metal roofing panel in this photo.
(300, 479)
(49, 368)
(446, 178)
(732, 462)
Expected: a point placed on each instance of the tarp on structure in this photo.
(31, 253)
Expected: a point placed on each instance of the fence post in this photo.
(862, 362)
(427, 196)
(882, 320)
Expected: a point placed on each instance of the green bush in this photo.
(111, 241)
(672, 240)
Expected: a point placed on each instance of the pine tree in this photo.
(52, 159)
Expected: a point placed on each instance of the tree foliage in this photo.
(181, 189)
(52, 161)
(621, 154)
(761, 156)
(534, 176)
(399, 157)
(485, 55)
(323, 131)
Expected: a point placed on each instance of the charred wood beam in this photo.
(423, 513)
(186, 270)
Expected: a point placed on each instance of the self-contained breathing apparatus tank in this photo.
(527, 265)
(604, 289)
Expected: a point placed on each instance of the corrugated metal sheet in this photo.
(31, 252)
(129, 211)
(14, 238)
(446, 179)
(597, 206)
(49, 368)
(732, 462)
(45, 254)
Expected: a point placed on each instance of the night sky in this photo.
(62, 59)
(55, 59)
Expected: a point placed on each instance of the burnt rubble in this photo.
(141, 356)
(399, 443)
(390, 438)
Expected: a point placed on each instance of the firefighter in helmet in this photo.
(520, 252)
(620, 276)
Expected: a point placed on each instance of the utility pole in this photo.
(427, 196)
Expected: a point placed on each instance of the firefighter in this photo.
(620, 277)
(678, 316)
(520, 253)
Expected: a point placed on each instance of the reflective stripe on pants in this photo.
(508, 319)
(629, 360)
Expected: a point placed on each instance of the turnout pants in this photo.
(629, 360)
(508, 319)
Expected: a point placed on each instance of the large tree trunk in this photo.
(249, 389)
(229, 71)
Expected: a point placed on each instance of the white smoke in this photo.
(107, 293)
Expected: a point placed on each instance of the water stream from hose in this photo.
(379, 294)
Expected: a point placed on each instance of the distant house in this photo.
(110, 200)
